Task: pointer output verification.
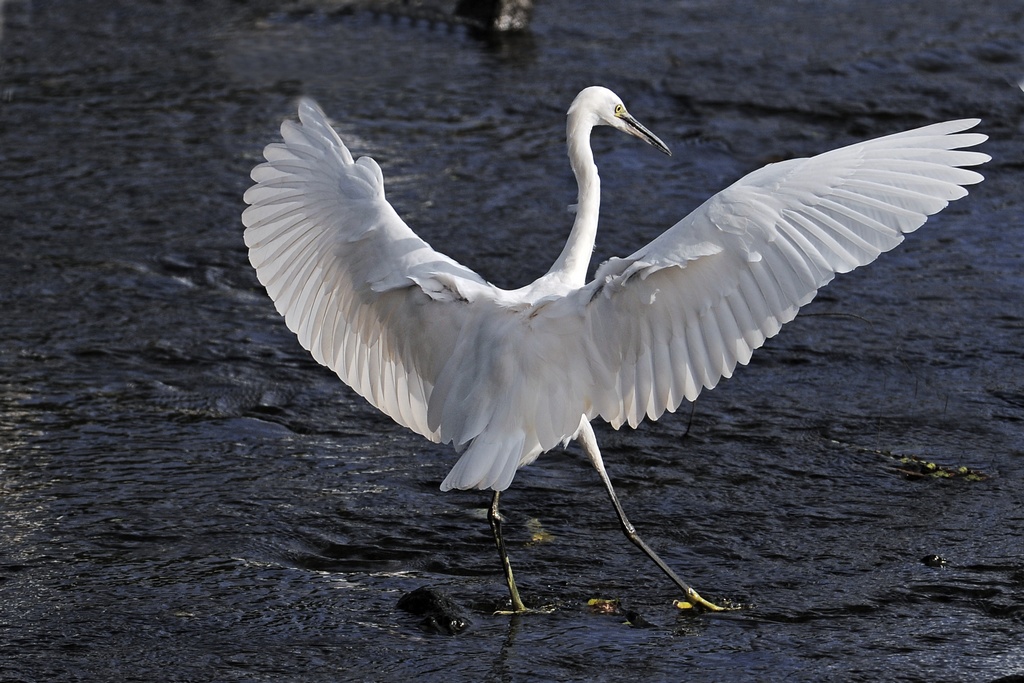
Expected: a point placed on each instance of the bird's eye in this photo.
(619, 110)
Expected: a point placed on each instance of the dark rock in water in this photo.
(499, 16)
(440, 613)
(637, 620)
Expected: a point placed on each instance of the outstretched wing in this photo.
(680, 313)
(431, 344)
(424, 339)
(352, 280)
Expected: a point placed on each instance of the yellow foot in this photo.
(693, 599)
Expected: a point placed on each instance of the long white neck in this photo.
(572, 264)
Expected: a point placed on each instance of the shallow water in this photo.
(185, 495)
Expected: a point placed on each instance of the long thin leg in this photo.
(589, 443)
(495, 519)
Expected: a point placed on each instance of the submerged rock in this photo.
(440, 613)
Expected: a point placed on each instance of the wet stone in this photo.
(440, 613)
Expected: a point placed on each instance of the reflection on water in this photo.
(185, 495)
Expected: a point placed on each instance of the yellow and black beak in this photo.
(634, 127)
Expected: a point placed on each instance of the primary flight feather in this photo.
(506, 375)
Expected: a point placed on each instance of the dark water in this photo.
(184, 495)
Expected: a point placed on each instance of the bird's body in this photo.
(505, 375)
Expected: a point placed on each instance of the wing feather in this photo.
(344, 270)
(431, 344)
(720, 282)
(421, 337)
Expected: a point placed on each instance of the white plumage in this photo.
(506, 375)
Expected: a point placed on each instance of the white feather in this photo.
(506, 375)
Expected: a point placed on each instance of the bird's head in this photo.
(599, 106)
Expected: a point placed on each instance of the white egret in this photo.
(507, 375)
